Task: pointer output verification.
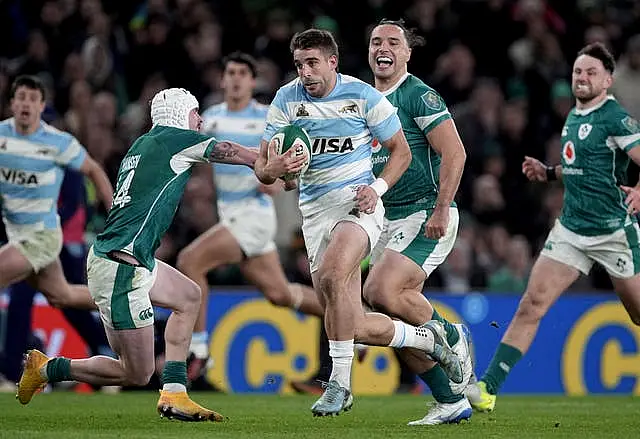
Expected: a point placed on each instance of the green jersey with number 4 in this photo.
(420, 109)
(151, 181)
(595, 143)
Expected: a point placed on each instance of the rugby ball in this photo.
(293, 136)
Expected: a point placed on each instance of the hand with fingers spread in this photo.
(366, 199)
(280, 164)
(534, 169)
(437, 223)
(633, 199)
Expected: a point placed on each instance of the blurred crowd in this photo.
(502, 66)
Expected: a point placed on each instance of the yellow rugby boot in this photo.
(178, 405)
(31, 380)
(482, 401)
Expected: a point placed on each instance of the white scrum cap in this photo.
(171, 107)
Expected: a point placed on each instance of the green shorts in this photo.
(40, 248)
(121, 292)
(406, 236)
(617, 252)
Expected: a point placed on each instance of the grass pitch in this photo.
(132, 415)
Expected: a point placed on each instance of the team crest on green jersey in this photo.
(433, 101)
(584, 130)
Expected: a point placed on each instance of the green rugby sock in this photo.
(503, 360)
(59, 369)
(175, 372)
(452, 333)
(438, 382)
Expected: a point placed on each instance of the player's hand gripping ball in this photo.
(292, 136)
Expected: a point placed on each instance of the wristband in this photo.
(380, 186)
(551, 173)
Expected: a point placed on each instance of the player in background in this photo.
(421, 217)
(247, 228)
(73, 217)
(126, 280)
(33, 156)
(340, 203)
(598, 139)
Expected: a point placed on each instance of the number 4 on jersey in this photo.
(122, 196)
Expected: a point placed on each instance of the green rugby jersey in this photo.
(151, 181)
(420, 109)
(595, 142)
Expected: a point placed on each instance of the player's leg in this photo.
(265, 272)
(560, 263)
(14, 265)
(548, 280)
(72, 258)
(17, 329)
(122, 294)
(215, 247)
(338, 279)
(175, 291)
(394, 286)
(619, 254)
(51, 282)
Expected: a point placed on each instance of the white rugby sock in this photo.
(341, 353)
(407, 336)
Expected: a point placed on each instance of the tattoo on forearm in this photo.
(224, 151)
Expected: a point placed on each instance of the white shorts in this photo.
(406, 236)
(338, 205)
(618, 252)
(252, 224)
(40, 248)
(121, 292)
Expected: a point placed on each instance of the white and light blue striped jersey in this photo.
(31, 173)
(237, 183)
(342, 126)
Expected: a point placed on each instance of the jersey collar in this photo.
(396, 85)
(589, 110)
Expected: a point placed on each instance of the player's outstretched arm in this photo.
(535, 170)
(233, 153)
(92, 169)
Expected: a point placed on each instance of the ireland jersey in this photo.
(595, 142)
(151, 180)
(420, 110)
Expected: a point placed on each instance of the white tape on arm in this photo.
(380, 186)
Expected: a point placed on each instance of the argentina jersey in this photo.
(31, 173)
(237, 183)
(341, 125)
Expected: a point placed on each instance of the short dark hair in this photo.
(413, 39)
(315, 39)
(600, 51)
(29, 81)
(242, 58)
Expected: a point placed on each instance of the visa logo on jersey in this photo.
(21, 178)
(340, 145)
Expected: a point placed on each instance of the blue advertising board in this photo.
(586, 344)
